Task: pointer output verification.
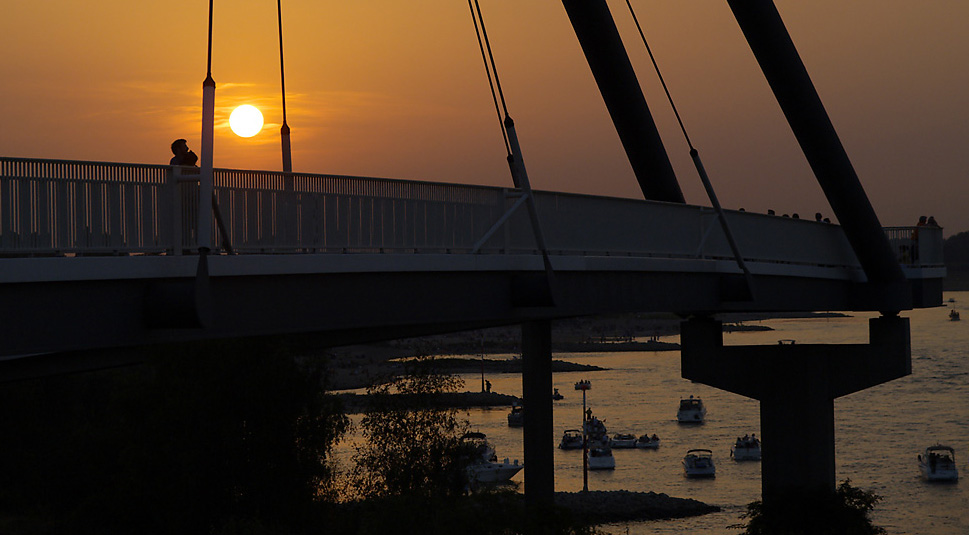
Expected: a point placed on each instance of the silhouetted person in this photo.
(923, 221)
(817, 216)
(932, 223)
(770, 212)
(183, 156)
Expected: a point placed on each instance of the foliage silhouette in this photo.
(843, 513)
(219, 431)
(412, 445)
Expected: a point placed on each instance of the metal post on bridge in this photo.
(204, 229)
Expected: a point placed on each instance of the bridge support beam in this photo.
(620, 89)
(537, 391)
(796, 385)
(788, 78)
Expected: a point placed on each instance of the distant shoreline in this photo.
(355, 367)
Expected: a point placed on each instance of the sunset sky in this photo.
(396, 89)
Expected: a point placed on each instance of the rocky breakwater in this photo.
(598, 507)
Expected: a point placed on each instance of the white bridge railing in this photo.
(56, 207)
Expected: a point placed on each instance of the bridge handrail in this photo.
(62, 207)
(917, 246)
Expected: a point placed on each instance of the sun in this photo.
(245, 121)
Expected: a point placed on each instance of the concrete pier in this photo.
(796, 385)
(537, 391)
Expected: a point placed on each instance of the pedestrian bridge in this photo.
(97, 255)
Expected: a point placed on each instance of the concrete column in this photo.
(537, 391)
(797, 433)
(796, 385)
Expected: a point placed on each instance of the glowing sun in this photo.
(245, 121)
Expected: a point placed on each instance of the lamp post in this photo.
(583, 386)
(283, 130)
(204, 231)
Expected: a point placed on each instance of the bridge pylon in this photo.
(538, 443)
(796, 385)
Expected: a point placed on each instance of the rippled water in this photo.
(879, 431)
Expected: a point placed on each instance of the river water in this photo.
(879, 431)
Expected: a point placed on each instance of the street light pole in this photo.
(583, 386)
(283, 130)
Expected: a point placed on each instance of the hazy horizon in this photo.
(397, 89)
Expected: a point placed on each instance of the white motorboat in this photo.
(747, 448)
(938, 463)
(623, 441)
(516, 418)
(595, 431)
(699, 463)
(648, 442)
(601, 459)
(484, 467)
(571, 440)
(691, 411)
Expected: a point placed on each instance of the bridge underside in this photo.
(93, 323)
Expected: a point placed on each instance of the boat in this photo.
(601, 458)
(648, 442)
(595, 431)
(954, 315)
(555, 395)
(691, 411)
(623, 441)
(516, 418)
(747, 448)
(484, 468)
(571, 440)
(699, 463)
(938, 463)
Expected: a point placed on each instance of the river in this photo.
(879, 431)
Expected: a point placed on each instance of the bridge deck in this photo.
(91, 252)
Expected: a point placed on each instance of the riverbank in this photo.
(505, 512)
(360, 370)
(602, 507)
(357, 403)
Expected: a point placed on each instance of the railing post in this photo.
(288, 215)
(206, 186)
(173, 175)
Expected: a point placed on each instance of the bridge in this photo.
(99, 258)
(99, 255)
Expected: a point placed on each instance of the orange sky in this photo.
(396, 89)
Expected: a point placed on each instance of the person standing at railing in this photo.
(183, 156)
(923, 221)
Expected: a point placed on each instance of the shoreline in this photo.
(604, 507)
(354, 367)
(357, 403)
